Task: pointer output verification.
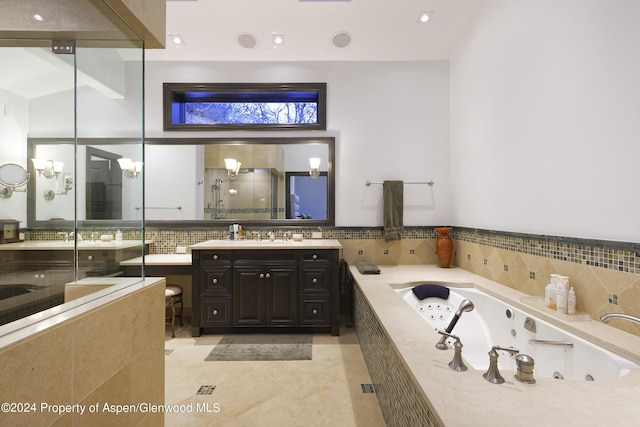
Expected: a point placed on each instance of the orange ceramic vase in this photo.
(444, 247)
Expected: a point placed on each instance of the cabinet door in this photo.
(248, 296)
(281, 295)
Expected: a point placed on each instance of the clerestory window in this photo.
(246, 106)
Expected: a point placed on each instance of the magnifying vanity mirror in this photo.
(12, 177)
(187, 182)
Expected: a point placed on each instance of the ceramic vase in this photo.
(444, 246)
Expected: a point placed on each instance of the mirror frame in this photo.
(196, 223)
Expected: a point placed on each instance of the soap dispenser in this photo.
(118, 236)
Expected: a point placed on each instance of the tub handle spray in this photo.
(465, 305)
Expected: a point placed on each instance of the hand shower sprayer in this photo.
(465, 305)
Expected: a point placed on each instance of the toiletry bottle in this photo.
(231, 232)
(550, 291)
(571, 301)
(235, 231)
(561, 297)
(240, 232)
(118, 236)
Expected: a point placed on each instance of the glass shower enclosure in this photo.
(71, 155)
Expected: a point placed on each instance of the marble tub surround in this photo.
(466, 398)
(107, 350)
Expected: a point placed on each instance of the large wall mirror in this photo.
(187, 182)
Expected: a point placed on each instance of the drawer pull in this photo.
(215, 312)
(315, 311)
(90, 257)
(314, 280)
(314, 256)
(215, 256)
(214, 281)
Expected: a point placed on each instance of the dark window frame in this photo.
(180, 93)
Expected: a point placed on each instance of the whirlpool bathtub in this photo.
(557, 353)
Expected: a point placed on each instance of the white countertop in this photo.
(466, 398)
(60, 245)
(268, 244)
(160, 259)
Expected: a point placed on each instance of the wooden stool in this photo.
(173, 296)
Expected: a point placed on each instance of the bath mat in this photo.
(262, 347)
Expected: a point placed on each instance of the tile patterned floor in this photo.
(324, 391)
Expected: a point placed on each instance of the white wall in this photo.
(390, 120)
(14, 111)
(545, 128)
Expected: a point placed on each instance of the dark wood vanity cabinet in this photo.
(265, 290)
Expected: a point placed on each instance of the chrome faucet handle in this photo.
(65, 234)
(493, 375)
(257, 233)
(457, 364)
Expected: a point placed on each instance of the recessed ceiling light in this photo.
(247, 40)
(38, 17)
(176, 39)
(278, 39)
(425, 17)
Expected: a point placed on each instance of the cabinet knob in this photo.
(314, 280)
(268, 275)
(314, 256)
(315, 311)
(261, 275)
(214, 281)
(90, 257)
(215, 312)
(215, 256)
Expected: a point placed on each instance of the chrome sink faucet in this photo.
(493, 375)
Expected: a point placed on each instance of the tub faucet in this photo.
(465, 305)
(606, 317)
(493, 375)
(457, 364)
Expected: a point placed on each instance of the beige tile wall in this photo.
(113, 354)
(529, 273)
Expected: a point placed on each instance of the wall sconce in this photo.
(314, 165)
(233, 167)
(47, 168)
(130, 168)
(67, 186)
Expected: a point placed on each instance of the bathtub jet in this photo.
(465, 305)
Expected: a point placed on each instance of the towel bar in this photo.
(158, 207)
(429, 183)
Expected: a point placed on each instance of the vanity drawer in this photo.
(210, 257)
(215, 280)
(315, 280)
(215, 311)
(315, 312)
(313, 255)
